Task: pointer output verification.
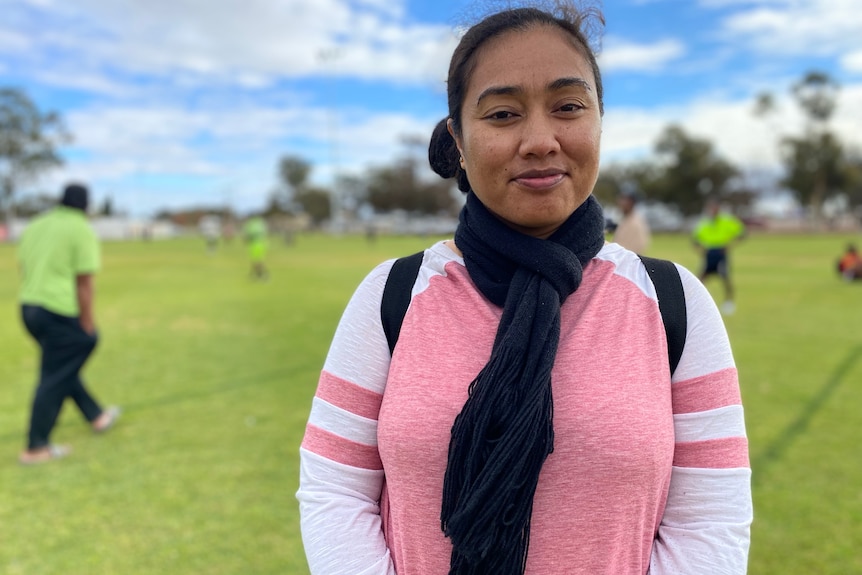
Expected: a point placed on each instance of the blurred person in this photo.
(455, 453)
(850, 264)
(713, 236)
(632, 231)
(210, 227)
(58, 255)
(255, 234)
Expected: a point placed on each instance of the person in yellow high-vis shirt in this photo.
(713, 235)
(255, 233)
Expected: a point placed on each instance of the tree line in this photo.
(816, 164)
(682, 172)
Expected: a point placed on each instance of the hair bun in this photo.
(442, 151)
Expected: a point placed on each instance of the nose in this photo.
(539, 136)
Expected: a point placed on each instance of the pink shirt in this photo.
(646, 475)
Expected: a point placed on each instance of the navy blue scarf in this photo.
(505, 431)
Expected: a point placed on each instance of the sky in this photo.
(191, 103)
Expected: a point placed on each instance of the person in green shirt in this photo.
(713, 235)
(255, 234)
(58, 254)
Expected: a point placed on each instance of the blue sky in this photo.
(177, 103)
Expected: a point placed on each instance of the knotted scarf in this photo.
(505, 431)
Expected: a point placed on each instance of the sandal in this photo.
(112, 414)
(44, 455)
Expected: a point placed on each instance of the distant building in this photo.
(113, 228)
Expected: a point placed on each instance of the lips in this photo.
(540, 179)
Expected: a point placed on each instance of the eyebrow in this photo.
(557, 84)
(569, 83)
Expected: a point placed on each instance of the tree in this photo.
(687, 172)
(815, 162)
(399, 187)
(854, 180)
(32, 205)
(815, 168)
(315, 202)
(816, 93)
(29, 139)
(764, 105)
(610, 183)
(293, 173)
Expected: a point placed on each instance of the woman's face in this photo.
(531, 129)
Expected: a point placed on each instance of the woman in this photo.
(526, 421)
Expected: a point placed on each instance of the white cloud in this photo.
(83, 80)
(794, 28)
(115, 145)
(205, 93)
(253, 43)
(621, 55)
(171, 140)
(726, 3)
(242, 143)
(389, 7)
(848, 116)
(12, 41)
(852, 62)
(739, 136)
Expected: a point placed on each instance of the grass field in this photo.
(215, 374)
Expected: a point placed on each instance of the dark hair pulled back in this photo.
(443, 154)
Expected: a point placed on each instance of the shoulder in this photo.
(45, 218)
(36, 226)
(626, 264)
(629, 266)
(434, 261)
(82, 228)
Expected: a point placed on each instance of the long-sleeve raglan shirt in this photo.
(649, 474)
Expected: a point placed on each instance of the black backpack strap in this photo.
(663, 273)
(396, 295)
(671, 304)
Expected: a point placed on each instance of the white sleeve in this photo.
(707, 520)
(340, 518)
(706, 524)
(340, 485)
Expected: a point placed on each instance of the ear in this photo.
(457, 142)
(454, 136)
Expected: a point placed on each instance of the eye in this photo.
(570, 107)
(500, 115)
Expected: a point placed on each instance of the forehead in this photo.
(538, 55)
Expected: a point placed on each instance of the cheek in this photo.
(584, 143)
(486, 157)
(596, 140)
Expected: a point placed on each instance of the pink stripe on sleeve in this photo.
(348, 396)
(712, 391)
(341, 450)
(725, 453)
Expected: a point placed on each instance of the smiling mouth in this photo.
(538, 182)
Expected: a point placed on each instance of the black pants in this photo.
(715, 262)
(65, 349)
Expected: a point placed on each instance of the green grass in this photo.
(216, 373)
